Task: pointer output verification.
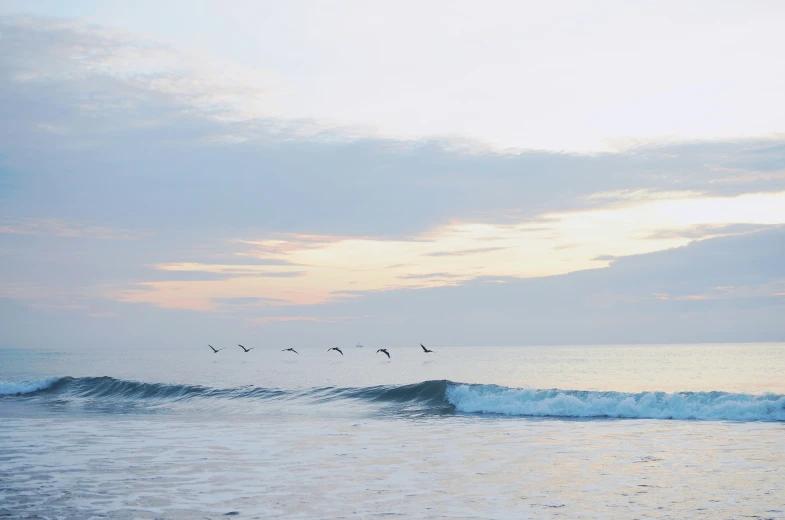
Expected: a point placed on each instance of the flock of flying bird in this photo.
(246, 350)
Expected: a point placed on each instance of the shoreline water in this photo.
(180, 434)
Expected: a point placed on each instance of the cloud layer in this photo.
(135, 184)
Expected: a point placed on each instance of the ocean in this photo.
(642, 431)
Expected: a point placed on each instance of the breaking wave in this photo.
(431, 397)
(645, 405)
(26, 387)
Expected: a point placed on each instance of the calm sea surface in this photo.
(676, 431)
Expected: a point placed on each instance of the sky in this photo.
(290, 174)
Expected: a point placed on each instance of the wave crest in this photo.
(26, 387)
(430, 397)
(645, 405)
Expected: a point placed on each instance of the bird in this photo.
(425, 349)
(383, 350)
(335, 348)
(215, 351)
(245, 349)
(284, 350)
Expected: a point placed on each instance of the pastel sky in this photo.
(453, 173)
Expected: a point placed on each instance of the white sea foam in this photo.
(26, 387)
(654, 405)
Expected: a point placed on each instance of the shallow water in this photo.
(184, 433)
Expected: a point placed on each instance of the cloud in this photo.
(752, 177)
(719, 289)
(60, 228)
(724, 292)
(184, 276)
(327, 319)
(465, 252)
(618, 304)
(706, 231)
(332, 267)
(245, 301)
(70, 51)
(428, 275)
(639, 195)
(231, 270)
(139, 150)
(110, 138)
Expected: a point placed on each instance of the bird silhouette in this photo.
(245, 349)
(286, 349)
(425, 349)
(335, 348)
(215, 350)
(383, 350)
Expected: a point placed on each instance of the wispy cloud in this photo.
(641, 195)
(728, 292)
(333, 267)
(247, 300)
(745, 176)
(48, 49)
(465, 252)
(706, 231)
(231, 270)
(429, 275)
(64, 229)
(102, 314)
(316, 319)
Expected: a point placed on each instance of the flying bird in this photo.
(335, 348)
(383, 350)
(245, 349)
(215, 351)
(286, 349)
(425, 349)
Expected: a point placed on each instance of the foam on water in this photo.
(26, 387)
(647, 405)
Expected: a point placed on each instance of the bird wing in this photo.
(388, 354)
(423, 347)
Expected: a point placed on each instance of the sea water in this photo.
(672, 431)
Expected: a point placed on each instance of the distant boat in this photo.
(359, 345)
